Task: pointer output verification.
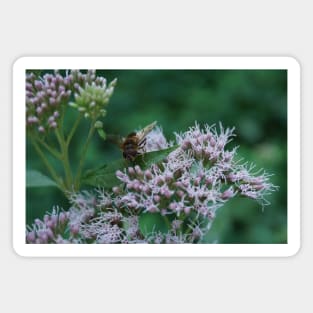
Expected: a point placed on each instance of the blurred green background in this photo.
(253, 101)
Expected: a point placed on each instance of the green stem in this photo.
(65, 159)
(51, 170)
(83, 154)
(72, 132)
(54, 152)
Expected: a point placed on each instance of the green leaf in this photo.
(101, 133)
(152, 222)
(104, 176)
(36, 179)
(147, 159)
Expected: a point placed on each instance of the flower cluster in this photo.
(92, 98)
(49, 229)
(47, 95)
(200, 176)
(184, 190)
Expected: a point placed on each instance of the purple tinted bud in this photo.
(46, 218)
(29, 87)
(54, 220)
(53, 125)
(198, 151)
(43, 105)
(186, 144)
(220, 145)
(62, 217)
(187, 210)
(212, 142)
(232, 177)
(43, 236)
(146, 189)
(52, 101)
(61, 88)
(173, 206)
(39, 110)
(138, 170)
(74, 228)
(38, 222)
(167, 193)
(168, 177)
(38, 84)
(196, 233)
(41, 129)
(227, 194)
(56, 114)
(131, 171)
(116, 190)
(136, 186)
(32, 119)
(148, 174)
(50, 233)
(180, 193)
(209, 180)
(31, 237)
(156, 198)
(176, 224)
(179, 184)
(197, 181)
(159, 181)
(67, 80)
(185, 183)
(29, 95)
(227, 156)
(163, 212)
(152, 209)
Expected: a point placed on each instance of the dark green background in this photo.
(254, 101)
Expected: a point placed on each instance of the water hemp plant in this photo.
(169, 194)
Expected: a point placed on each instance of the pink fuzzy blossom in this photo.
(185, 190)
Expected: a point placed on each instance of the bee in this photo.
(134, 143)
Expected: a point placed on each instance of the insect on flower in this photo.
(134, 143)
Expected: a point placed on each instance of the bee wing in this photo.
(115, 139)
(141, 134)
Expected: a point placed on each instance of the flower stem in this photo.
(83, 154)
(54, 152)
(72, 132)
(51, 170)
(65, 159)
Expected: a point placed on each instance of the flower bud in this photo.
(98, 124)
(31, 237)
(116, 190)
(148, 174)
(156, 198)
